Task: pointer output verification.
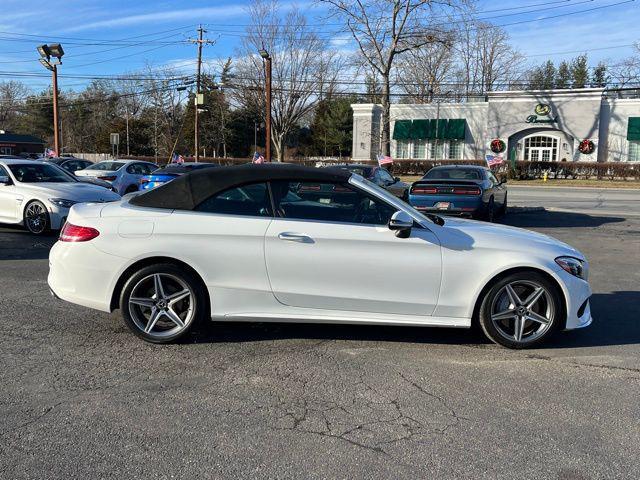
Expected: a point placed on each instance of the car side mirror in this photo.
(503, 181)
(401, 223)
(397, 179)
(5, 180)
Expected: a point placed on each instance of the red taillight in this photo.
(466, 191)
(75, 233)
(338, 188)
(424, 190)
(109, 178)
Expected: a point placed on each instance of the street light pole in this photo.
(56, 129)
(265, 55)
(46, 52)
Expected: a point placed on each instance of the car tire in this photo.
(524, 316)
(163, 303)
(490, 215)
(36, 218)
(503, 208)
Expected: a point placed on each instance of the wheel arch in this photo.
(145, 262)
(497, 277)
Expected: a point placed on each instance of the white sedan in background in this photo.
(284, 243)
(123, 175)
(40, 194)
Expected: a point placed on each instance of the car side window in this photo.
(137, 169)
(3, 172)
(492, 178)
(148, 168)
(247, 200)
(331, 202)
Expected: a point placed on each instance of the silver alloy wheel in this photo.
(35, 218)
(162, 305)
(522, 311)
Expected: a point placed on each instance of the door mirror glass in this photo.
(401, 222)
(396, 179)
(5, 180)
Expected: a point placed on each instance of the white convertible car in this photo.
(284, 243)
(40, 194)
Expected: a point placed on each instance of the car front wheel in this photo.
(521, 310)
(36, 218)
(162, 303)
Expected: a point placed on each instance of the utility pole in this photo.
(267, 59)
(199, 41)
(46, 52)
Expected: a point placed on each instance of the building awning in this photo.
(633, 130)
(402, 130)
(430, 129)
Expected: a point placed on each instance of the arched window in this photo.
(541, 148)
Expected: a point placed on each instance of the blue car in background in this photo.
(170, 171)
(463, 190)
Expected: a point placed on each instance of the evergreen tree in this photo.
(563, 76)
(600, 77)
(580, 71)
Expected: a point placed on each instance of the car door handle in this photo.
(295, 237)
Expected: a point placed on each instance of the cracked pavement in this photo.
(81, 397)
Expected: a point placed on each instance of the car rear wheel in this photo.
(36, 218)
(490, 216)
(521, 310)
(503, 208)
(162, 303)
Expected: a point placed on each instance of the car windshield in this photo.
(106, 166)
(39, 173)
(452, 173)
(392, 199)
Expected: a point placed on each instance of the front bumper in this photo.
(577, 293)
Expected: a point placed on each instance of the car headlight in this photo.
(62, 202)
(572, 265)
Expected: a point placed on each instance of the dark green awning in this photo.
(402, 130)
(455, 129)
(421, 130)
(633, 130)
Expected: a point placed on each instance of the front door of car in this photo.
(8, 198)
(333, 251)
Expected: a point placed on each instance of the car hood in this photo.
(492, 235)
(76, 191)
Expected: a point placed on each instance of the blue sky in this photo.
(77, 24)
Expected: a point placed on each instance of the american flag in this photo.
(177, 158)
(50, 153)
(384, 160)
(258, 158)
(494, 160)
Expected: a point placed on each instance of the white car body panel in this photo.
(124, 180)
(14, 198)
(347, 274)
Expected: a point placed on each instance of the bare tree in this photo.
(385, 29)
(304, 68)
(627, 71)
(12, 96)
(424, 72)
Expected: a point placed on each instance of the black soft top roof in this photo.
(188, 191)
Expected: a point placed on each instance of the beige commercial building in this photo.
(586, 125)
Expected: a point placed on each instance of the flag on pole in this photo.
(175, 158)
(49, 153)
(494, 160)
(384, 160)
(258, 158)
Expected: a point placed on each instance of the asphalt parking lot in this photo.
(81, 397)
